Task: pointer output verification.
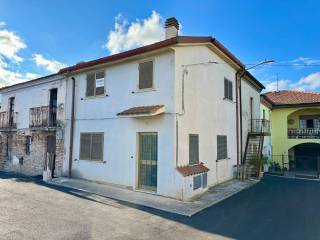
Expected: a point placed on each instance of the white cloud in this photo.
(50, 65)
(2, 23)
(10, 45)
(277, 85)
(310, 82)
(126, 36)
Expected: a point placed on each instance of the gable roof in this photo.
(287, 98)
(149, 48)
(159, 45)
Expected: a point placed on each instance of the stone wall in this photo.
(31, 164)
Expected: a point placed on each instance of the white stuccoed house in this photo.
(171, 118)
(160, 118)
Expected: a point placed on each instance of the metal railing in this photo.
(282, 164)
(257, 126)
(304, 133)
(42, 117)
(8, 120)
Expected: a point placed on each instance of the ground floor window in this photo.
(91, 146)
(222, 151)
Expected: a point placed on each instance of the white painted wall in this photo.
(34, 95)
(267, 151)
(207, 113)
(120, 133)
(248, 91)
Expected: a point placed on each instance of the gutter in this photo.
(71, 128)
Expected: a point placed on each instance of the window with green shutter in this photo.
(222, 151)
(193, 149)
(146, 75)
(91, 146)
(228, 91)
(95, 84)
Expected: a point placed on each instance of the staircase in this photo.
(252, 155)
(254, 145)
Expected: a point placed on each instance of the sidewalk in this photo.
(213, 196)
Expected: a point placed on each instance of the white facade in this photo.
(34, 94)
(205, 113)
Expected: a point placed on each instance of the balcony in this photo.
(8, 121)
(42, 117)
(259, 126)
(304, 133)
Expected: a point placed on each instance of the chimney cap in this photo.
(172, 22)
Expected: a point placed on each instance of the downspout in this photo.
(239, 74)
(237, 121)
(71, 128)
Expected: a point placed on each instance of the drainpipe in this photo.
(71, 127)
(239, 74)
(237, 120)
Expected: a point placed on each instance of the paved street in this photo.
(275, 208)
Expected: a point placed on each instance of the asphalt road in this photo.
(275, 208)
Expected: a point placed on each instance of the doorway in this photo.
(11, 111)
(306, 157)
(53, 107)
(51, 153)
(148, 161)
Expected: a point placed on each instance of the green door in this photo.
(148, 158)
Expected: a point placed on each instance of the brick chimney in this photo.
(172, 27)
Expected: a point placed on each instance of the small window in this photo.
(193, 149)
(146, 75)
(228, 92)
(222, 152)
(91, 146)
(28, 144)
(197, 182)
(95, 84)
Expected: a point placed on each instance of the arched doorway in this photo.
(305, 157)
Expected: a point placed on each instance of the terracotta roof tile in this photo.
(292, 97)
(190, 170)
(153, 109)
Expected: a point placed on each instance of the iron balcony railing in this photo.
(42, 117)
(8, 120)
(304, 133)
(257, 126)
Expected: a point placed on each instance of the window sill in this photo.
(228, 100)
(144, 90)
(223, 159)
(95, 97)
(93, 161)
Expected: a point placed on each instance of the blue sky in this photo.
(39, 37)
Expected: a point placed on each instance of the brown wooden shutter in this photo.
(85, 146)
(146, 75)
(193, 149)
(97, 147)
(222, 152)
(91, 84)
(230, 90)
(225, 88)
(99, 89)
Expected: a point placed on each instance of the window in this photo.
(95, 84)
(197, 182)
(222, 152)
(146, 75)
(193, 149)
(91, 146)
(228, 89)
(28, 144)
